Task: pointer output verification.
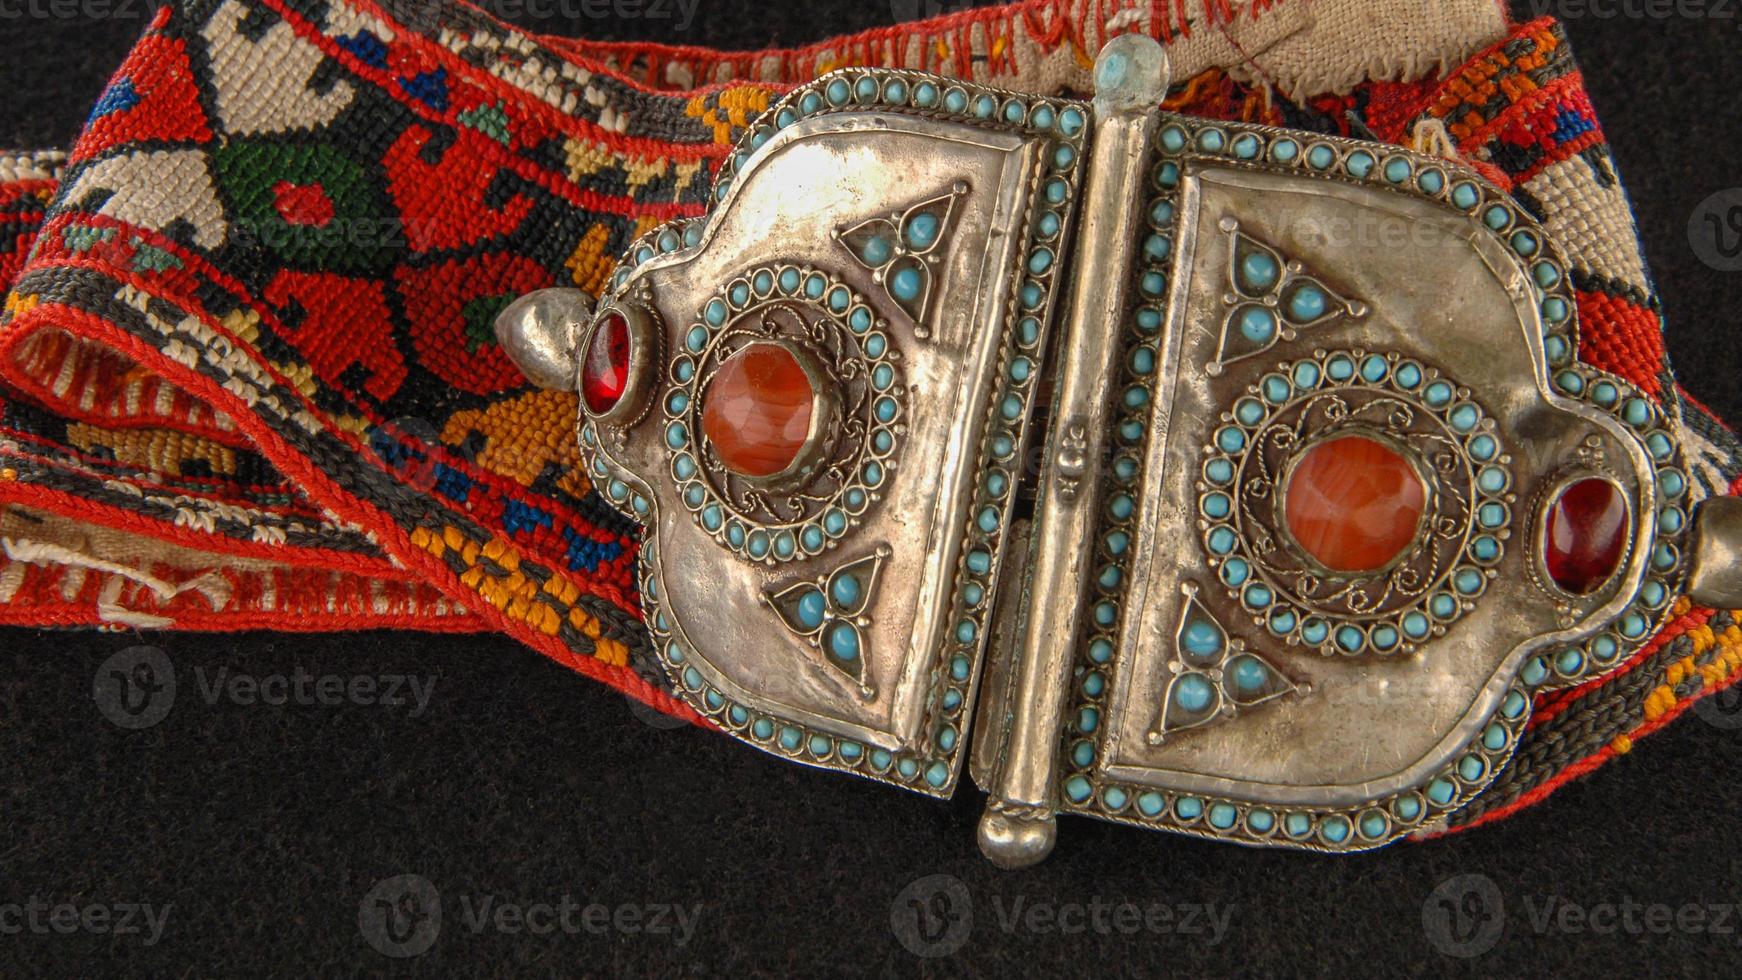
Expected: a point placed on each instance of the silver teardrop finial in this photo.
(540, 332)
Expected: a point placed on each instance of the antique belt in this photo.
(1256, 484)
(1207, 477)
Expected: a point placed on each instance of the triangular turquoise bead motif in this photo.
(903, 248)
(1214, 676)
(829, 612)
(1270, 299)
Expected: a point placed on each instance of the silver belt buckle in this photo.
(1200, 476)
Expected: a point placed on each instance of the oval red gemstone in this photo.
(1584, 535)
(1354, 504)
(605, 364)
(757, 410)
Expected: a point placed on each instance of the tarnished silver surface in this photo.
(1715, 574)
(539, 333)
(1200, 304)
(1131, 77)
(1371, 726)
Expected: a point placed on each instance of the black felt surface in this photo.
(261, 828)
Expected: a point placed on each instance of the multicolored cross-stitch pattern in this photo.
(247, 375)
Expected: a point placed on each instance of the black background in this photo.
(264, 827)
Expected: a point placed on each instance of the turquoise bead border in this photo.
(857, 323)
(1443, 601)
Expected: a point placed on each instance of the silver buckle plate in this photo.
(1062, 367)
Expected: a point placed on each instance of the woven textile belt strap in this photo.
(1285, 455)
(1211, 477)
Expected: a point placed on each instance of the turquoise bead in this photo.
(844, 642)
(1201, 639)
(876, 250)
(811, 609)
(845, 590)
(1193, 694)
(1258, 325)
(906, 285)
(1250, 675)
(922, 230)
(1307, 304)
(1259, 272)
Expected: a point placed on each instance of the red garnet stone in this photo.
(1584, 535)
(757, 410)
(1354, 504)
(605, 364)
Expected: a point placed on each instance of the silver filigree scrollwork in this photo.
(1214, 676)
(1428, 420)
(902, 249)
(854, 369)
(1270, 299)
(829, 612)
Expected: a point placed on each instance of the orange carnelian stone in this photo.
(757, 410)
(1354, 504)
